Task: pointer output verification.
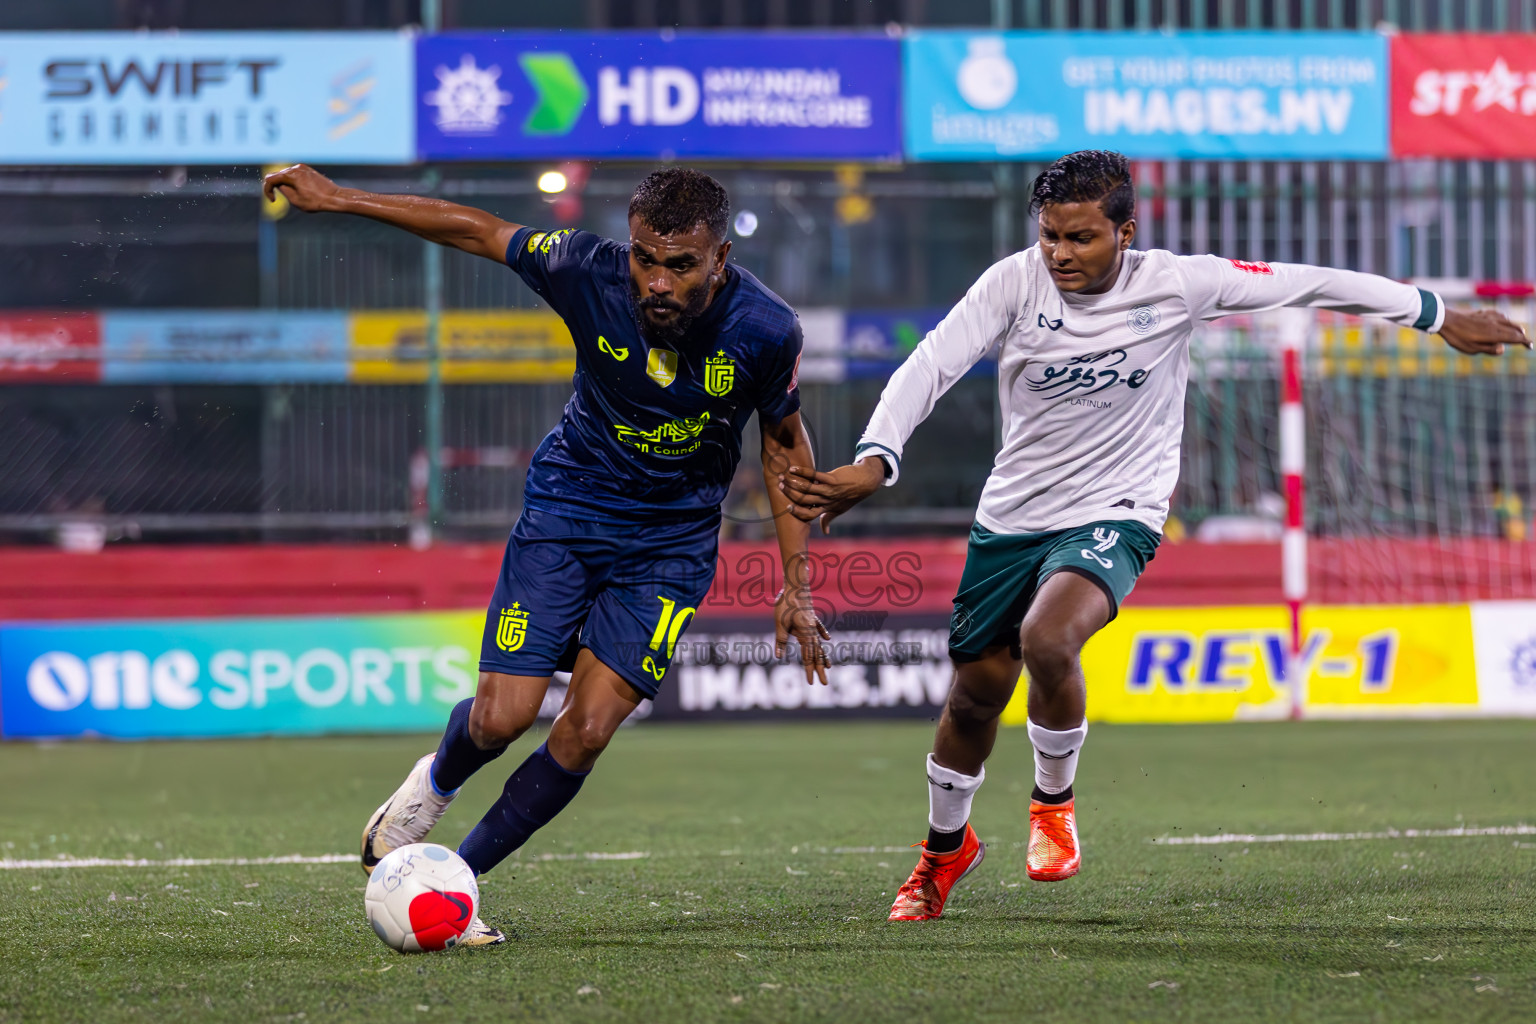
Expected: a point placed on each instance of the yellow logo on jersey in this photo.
(683, 432)
(542, 240)
(719, 374)
(661, 366)
(512, 628)
(604, 345)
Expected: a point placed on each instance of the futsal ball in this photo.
(421, 898)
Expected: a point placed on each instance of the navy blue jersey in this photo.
(651, 432)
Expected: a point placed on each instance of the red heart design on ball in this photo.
(437, 918)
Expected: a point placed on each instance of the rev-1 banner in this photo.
(589, 94)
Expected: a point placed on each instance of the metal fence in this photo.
(295, 461)
(1406, 440)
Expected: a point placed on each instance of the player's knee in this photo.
(591, 736)
(970, 706)
(577, 741)
(491, 727)
(1048, 656)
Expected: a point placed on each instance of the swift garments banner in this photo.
(205, 97)
(1464, 95)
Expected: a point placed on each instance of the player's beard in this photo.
(675, 331)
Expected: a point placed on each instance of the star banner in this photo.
(1464, 95)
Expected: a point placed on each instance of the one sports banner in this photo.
(1464, 95)
(382, 673)
(1230, 95)
(205, 97)
(728, 95)
(229, 677)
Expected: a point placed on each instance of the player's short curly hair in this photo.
(677, 199)
(1088, 176)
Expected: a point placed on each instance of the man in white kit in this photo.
(1092, 369)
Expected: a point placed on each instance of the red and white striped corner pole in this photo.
(1294, 326)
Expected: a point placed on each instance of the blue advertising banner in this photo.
(880, 340)
(223, 347)
(205, 97)
(579, 94)
(1032, 95)
(212, 677)
(169, 678)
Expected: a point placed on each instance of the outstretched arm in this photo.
(462, 227)
(1218, 287)
(786, 446)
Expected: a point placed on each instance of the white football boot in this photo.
(406, 817)
(481, 934)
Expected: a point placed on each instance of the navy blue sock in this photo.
(457, 756)
(535, 793)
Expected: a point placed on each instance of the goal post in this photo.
(1293, 327)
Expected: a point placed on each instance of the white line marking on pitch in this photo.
(7, 864)
(1340, 837)
(175, 862)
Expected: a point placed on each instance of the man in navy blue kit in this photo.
(615, 549)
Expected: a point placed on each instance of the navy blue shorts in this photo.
(627, 593)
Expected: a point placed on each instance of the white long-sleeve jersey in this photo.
(1092, 386)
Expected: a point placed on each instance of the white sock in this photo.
(1056, 754)
(949, 796)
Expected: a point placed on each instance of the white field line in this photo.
(175, 862)
(1222, 839)
(1227, 838)
(7, 864)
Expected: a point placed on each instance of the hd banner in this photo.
(1228, 95)
(721, 95)
(1464, 95)
(205, 97)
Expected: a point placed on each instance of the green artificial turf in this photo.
(773, 853)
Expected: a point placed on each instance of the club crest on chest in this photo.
(661, 366)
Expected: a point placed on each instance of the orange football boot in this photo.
(922, 898)
(1053, 850)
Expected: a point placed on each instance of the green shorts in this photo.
(1004, 571)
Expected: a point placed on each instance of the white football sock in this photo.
(949, 796)
(1056, 754)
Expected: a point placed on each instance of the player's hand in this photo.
(794, 614)
(1482, 332)
(826, 496)
(304, 187)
